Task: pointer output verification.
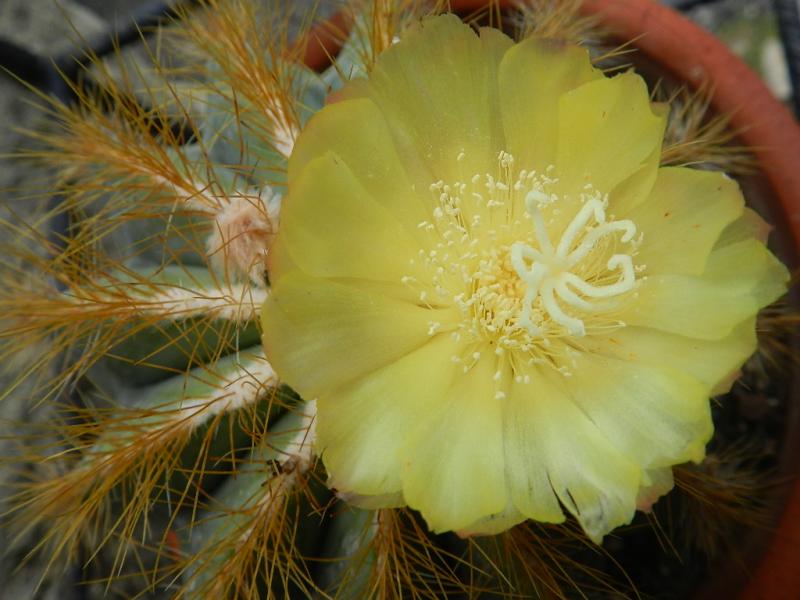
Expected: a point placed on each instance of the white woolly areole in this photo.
(243, 230)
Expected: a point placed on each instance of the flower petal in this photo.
(634, 190)
(440, 104)
(683, 217)
(748, 226)
(532, 76)
(394, 500)
(364, 425)
(454, 470)
(655, 416)
(332, 227)
(356, 132)
(655, 484)
(320, 334)
(606, 130)
(709, 361)
(526, 461)
(494, 524)
(551, 446)
(739, 279)
(279, 262)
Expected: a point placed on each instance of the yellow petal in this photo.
(606, 131)
(748, 226)
(320, 334)
(527, 459)
(655, 484)
(655, 416)
(551, 446)
(533, 75)
(709, 361)
(363, 426)
(440, 104)
(279, 260)
(683, 217)
(394, 500)
(454, 472)
(739, 280)
(356, 132)
(332, 227)
(494, 524)
(634, 190)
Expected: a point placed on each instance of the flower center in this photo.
(527, 279)
(547, 269)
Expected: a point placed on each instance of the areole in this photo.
(769, 129)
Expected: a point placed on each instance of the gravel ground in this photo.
(41, 27)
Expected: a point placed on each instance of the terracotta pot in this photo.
(769, 129)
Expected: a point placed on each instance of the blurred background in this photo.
(40, 38)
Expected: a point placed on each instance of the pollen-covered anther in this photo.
(557, 275)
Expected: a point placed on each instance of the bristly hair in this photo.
(246, 55)
(251, 538)
(558, 19)
(374, 25)
(535, 560)
(717, 499)
(696, 136)
(396, 558)
(563, 20)
(135, 459)
(778, 327)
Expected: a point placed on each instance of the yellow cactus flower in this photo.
(504, 307)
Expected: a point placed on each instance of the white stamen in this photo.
(523, 281)
(550, 279)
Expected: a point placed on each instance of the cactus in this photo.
(171, 453)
